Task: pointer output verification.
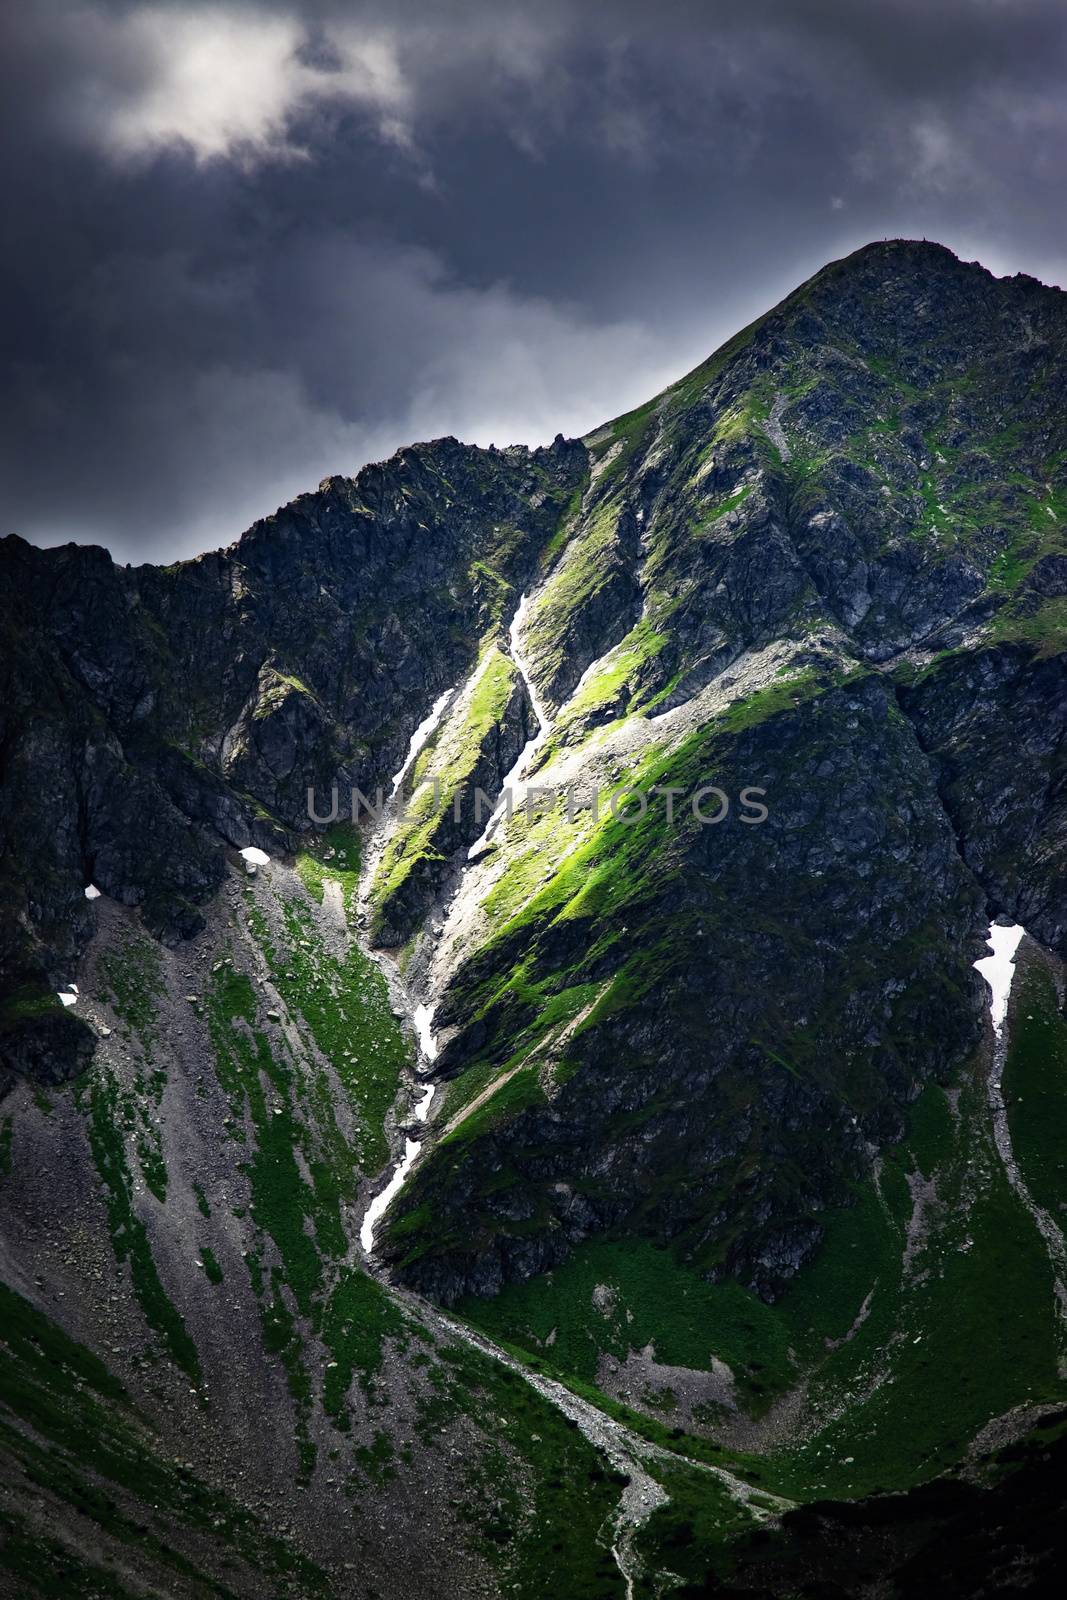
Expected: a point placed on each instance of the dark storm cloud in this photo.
(247, 245)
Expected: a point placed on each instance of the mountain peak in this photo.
(901, 255)
(678, 1080)
(901, 246)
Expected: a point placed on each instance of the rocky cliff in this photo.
(722, 1147)
(829, 564)
(152, 716)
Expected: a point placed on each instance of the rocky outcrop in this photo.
(772, 999)
(994, 722)
(846, 483)
(828, 563)
(150, 716)
(41, 1040)
(463, 778)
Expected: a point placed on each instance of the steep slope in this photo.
(259, 1415)
(739, 1202)
(151, 714)
(828, 565)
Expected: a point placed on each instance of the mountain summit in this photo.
(696, 1117)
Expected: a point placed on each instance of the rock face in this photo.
(809, 607)
(150, 715)
(994, 722)
(767, 1000)
(42, 1041)
(458, 781)
(828, 565)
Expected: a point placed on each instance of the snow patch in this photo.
(381, 1202)
(999, 969)
(254, 859)
(92, 892)
(423, 1019)
(425, 728)
(422, 1104)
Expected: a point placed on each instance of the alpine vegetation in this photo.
(505, 1088)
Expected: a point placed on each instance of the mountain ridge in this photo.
(783, 557)
(714, 1163)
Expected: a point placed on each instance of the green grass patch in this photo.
(358, 1318)
(537, 1498)
(337, 853)
(443, 770)
(281, 1197)
(613, 1296)
(1035, 1089)
(212, 1270)
(344, 1003)
(129, 1237)
(1045, 628)
(28, 1004)
(131, 977)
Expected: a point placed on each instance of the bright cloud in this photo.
(229, 82)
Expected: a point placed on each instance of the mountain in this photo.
(726, 1252)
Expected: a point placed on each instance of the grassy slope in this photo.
(532, 1496)
(1035, 1089)
(70, 1433)
(444, 768)
(965, 1335)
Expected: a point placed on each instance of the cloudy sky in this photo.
(246, 245)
